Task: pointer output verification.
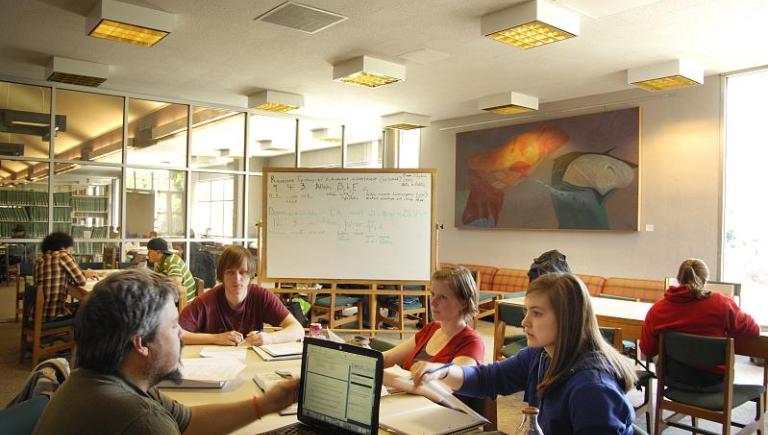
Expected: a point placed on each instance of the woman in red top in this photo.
(448, 339)
(689, 308)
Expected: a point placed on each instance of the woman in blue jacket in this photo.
(575, 378)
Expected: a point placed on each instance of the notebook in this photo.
(206, 373)
(283, 349)
(340, 389)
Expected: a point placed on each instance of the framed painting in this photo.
(577, 173)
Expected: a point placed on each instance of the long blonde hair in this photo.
(577, 331)
(693, 273)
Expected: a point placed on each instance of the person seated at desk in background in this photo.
(56, 273)
(172, 266)
(236, 310)
(448, 338)
(576, 379)
(689, 308)
(128, 340)
(548, 262)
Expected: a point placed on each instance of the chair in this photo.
(405, 313)
(331, 308)
(42, 338)
(26, 269)
(681, 354)
(21, 418)
(504, 345)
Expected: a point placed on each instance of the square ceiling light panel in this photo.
(275, 101)
(76, 72)
(531, 24)
(666, 76)
(508, 103)
(368, 71)
(128, 23)
(405, 121)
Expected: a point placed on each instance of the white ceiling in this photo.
(219, 54)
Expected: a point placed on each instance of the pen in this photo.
(444, 366)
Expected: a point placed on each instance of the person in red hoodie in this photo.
(689, 308)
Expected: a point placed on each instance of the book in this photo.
(430, 409)
(206, 373)
(283, 349)
(267, 357)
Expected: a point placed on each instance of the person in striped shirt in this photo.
(172, 266)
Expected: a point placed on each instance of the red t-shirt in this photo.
(466, 343)
(210, 313)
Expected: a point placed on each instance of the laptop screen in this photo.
(340, 387)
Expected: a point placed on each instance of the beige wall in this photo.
(680, 189)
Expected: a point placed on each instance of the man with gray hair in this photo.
(128, 340)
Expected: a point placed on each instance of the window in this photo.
(216, 214)
(745, 244)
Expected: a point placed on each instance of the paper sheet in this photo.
(239, 353)
(211, 369)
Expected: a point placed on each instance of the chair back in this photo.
(199, 286)
(696, 350)
(21, 418)
(511, 315)
(32, 313)
(613, 337)
(27, 268)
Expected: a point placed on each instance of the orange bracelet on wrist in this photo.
(256, 407)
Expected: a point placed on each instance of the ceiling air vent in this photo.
(300, 17)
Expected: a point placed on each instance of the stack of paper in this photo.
(206, 372)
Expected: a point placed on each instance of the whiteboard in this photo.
(358, 224)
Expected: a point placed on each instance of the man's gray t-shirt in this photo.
(89, 402)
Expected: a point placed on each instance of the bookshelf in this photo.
(85, 214)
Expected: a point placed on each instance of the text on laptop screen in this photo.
(339, 388)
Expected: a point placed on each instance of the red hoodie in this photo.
(715, 316)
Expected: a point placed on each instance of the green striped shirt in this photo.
(172, 266)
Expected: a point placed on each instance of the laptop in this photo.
(340, 390)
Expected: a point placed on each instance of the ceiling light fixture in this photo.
(368, 71)
(508, 103)
(531, 24)
(76, 72)
(405, 121)
(129, 23)
(275, 101)
(667, 75)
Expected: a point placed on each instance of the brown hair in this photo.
(233, 257)
(577, 331)
(693, 273)
(460, 281)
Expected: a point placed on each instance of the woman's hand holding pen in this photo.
(230, 338)
(425, 371)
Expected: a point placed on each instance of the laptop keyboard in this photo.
(293, 429)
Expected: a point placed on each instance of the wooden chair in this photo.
(410, 314)
(331, 308)
(26, 269)
(42, 338)
(504, 345)
(679, 353)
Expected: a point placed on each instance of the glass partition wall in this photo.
(115, 170)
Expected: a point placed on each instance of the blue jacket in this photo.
(591, 401)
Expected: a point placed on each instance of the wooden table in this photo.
(240, 389)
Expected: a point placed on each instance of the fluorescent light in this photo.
(405, 121)
(508, 103)
(531, 24)
(275, 101)
(129, 23)
(667, 75)
(76, 72)
(368, 71)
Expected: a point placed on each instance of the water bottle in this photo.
(530, 424)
